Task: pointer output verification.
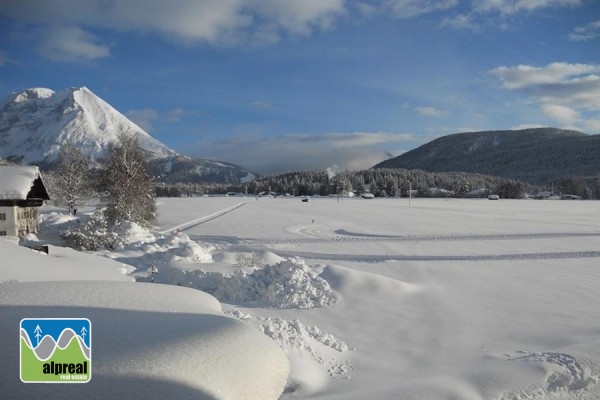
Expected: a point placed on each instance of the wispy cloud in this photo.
(146, 118)
(523, 76)
(415, 8)
(178, 114)
(480, 14)
(71, 43)
(462, 21)
(295, 152)
(430, 112)
(261, 105)
(515, 6)
(586, 32)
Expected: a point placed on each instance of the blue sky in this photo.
(277, 85)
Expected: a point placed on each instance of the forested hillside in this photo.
(539, 156)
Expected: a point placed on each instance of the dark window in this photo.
(3, 217)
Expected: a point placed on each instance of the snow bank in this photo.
(287, 284)
(178, 247)
(315, 355)
(293, 333)
(22, 264)
(148, 341)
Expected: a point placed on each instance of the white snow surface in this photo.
(378, 299)
(37, 122)
(16, 181)
(18, 263)
(148, 341)
(442, 299)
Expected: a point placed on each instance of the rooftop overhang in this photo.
(21, 203)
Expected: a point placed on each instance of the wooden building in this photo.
(22, 191)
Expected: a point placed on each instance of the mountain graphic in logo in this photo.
(56, 350)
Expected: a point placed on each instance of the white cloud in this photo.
(430, 112)
(561, 114)
(586, 32)
(71, 43)
(566, 93)
(211, 21)
(300, 152)
(522, 76)
(299, 16)
(415, 8)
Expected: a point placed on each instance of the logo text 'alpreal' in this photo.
(56, 350)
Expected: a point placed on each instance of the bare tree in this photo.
(70, 179)
(126, 181)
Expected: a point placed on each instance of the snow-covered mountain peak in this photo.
(32, 94)
(35, 123)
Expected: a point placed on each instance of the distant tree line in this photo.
(393, 182)
(379, 182)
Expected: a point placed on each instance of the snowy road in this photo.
(195, 222)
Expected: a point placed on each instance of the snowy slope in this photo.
(149, 341)
(36, 122)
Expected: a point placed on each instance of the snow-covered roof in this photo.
(17, 181)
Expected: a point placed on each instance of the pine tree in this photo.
(126, 181)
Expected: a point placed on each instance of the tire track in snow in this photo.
(373, 258)
(201, 220)
(346, 236)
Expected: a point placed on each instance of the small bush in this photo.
(93, 234)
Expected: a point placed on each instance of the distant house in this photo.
(478, 193)
(546, 195)
(22, 191)
(436, 192)
(569, 197)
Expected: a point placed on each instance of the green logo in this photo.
(56, 350)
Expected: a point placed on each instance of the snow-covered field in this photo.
(368, 299)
